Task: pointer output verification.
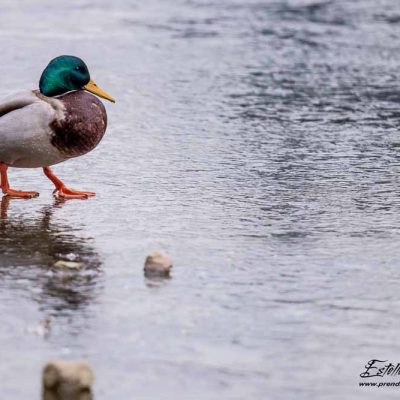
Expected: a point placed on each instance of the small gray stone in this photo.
(157, 264)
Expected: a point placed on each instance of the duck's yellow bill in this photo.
(93, 88)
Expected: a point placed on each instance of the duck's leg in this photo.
(62, 190)
(5, 186)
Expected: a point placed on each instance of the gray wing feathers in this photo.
(17, 101)
(25, 132)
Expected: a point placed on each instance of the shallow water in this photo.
(257, 143)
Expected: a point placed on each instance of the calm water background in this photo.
(257, 142)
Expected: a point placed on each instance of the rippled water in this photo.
(257, 142)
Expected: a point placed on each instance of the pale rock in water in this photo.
(157, 264)
(76, 375)
(62, 264)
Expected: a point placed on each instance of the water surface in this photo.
(257, 143)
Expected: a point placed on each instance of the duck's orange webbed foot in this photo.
(62, 191)
(5, 186)
(66, 193)
(20, 193)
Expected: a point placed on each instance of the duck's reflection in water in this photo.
(29, 248)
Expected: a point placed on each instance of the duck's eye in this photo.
(78, 68)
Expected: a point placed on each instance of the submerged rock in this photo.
(67, 395)
(157, 264)
(62, 264)
(67, 376)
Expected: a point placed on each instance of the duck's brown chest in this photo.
(83, 125)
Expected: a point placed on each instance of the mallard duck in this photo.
(61, 120)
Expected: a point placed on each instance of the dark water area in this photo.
(257, 142)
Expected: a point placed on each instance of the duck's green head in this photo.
(66, 73)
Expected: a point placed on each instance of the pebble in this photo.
(76, 375)
(157, 264)
(62, 264)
